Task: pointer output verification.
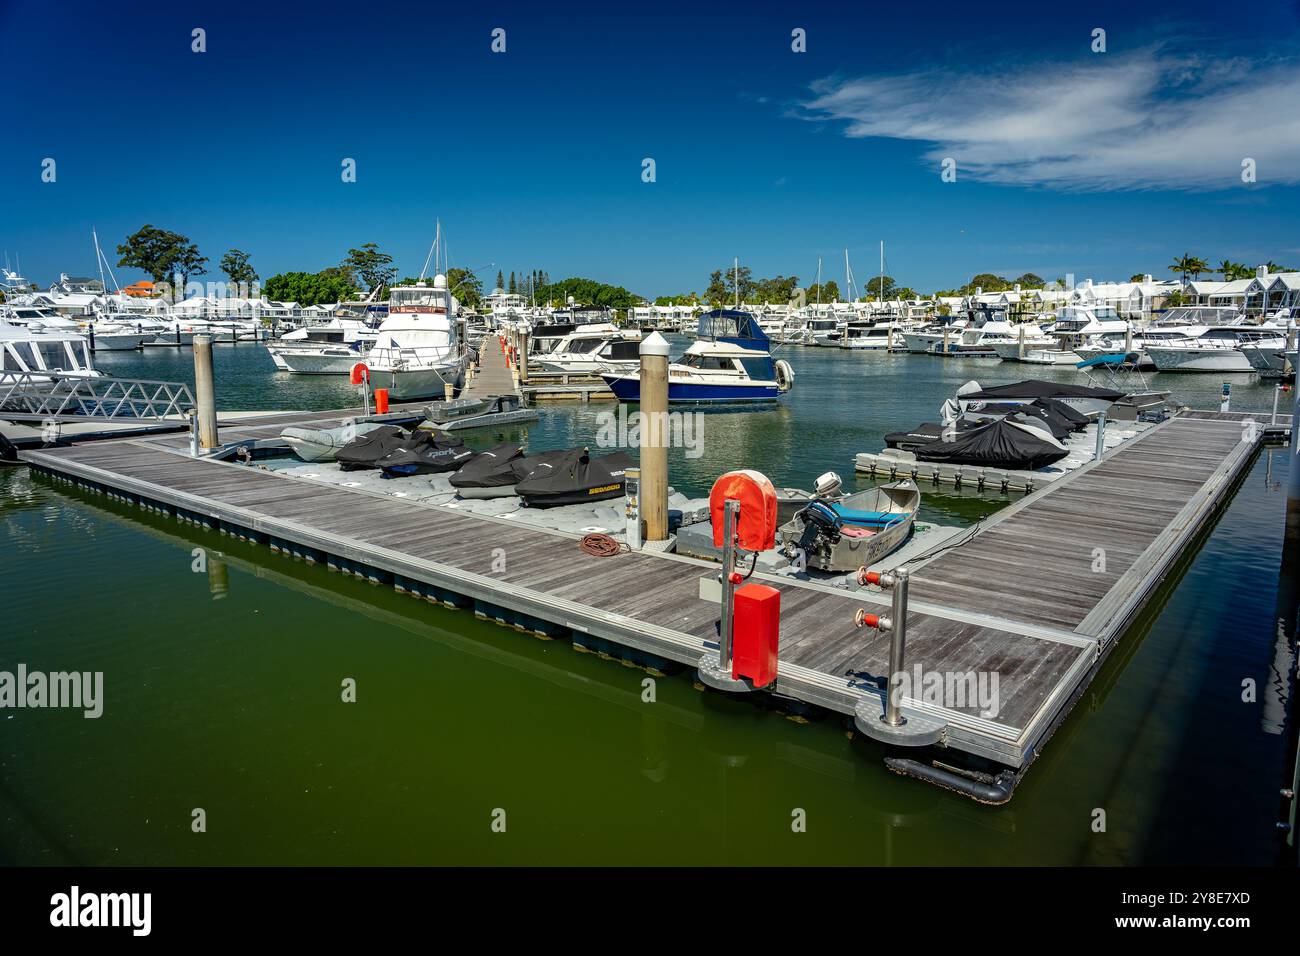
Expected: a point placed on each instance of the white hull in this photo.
(118, 341)
(1268, 358)
(315, 361)
(872, 343)
(413, 383)
(1168, 359)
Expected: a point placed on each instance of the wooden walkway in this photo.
(491, 377)
(1038, 594)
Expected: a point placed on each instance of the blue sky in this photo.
(1068, 161)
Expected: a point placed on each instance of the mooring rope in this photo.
(600, 545)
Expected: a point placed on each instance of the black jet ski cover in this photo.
(923, 434)
(491, 469)
(1059, 427)
(364, 451)
(1037, 388)
(575, 477)
(1078, 421)
(999, 444)
(426, 452)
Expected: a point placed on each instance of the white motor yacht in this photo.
(331, 348)
(589, 349)
(417, 352)
(1213, 349)
(34, 354)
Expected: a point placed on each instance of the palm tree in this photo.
(1196, 265)
(1229, 270)
(1182, 264)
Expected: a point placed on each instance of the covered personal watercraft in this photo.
(426, 452)
(574, 477)
(491, 474)
(843, 534)
(322, 444)
(925, 433)
(364, 451)
(1002, 443)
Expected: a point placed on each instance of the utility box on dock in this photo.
(757, 624)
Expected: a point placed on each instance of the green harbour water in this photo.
(222, 687)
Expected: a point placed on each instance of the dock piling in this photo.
(1293, 476)
(204, 392)
(1101, 436)
(654, 436)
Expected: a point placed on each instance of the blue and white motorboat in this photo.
(729, 362)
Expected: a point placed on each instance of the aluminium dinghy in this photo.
(845, 533)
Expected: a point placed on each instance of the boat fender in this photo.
(784, 375)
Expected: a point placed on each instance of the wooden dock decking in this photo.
(1038, 594)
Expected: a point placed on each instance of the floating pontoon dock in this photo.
(1025, 596)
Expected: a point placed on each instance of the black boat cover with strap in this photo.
(575, 477)
(999, 444)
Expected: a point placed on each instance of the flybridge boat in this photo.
(859, 334)
(1075, 327)
(728, 362)
(328, 349)
(1213, 349)
(38, 353)
(107, 337)
(416, 353)
(1270, 357)
(974, 337)
(592, 348)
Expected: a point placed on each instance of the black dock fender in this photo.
(993, 790)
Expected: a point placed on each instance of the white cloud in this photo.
(1149, 120)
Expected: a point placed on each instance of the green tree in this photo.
(237, 268)
(1182, 265)
(465, 286)
(370, 267)
(880, 287)
(153, 251)
(587, 292)
(1030, 281)
(828, 292)
(188, 263)
(513, 288)
(311, 288)
(722, 286)
(501, 282)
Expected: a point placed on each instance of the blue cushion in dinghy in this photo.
(849, 516)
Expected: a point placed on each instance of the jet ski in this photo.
(574, 477)
(1002, 443)
(322, 444)
(1085, 399)
(491, 474)
(364, 451)
(925, 433)
(426, 452)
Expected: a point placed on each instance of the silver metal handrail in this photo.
(58, 395)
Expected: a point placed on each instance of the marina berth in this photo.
(589, 349)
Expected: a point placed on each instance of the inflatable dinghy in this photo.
(322, 444)
(574, 477)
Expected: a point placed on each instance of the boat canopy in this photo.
(1037, 388)
(1115, 358)
(731, 325)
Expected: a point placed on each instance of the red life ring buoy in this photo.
(360, 373)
